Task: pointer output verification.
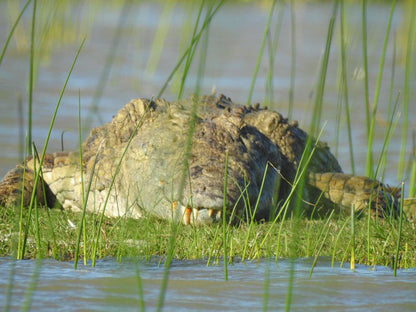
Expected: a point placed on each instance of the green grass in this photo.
(150, 237)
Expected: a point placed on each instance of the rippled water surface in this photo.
(193, 286)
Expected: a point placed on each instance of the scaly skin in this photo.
(165, 172)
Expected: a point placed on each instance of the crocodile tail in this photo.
(346, 190)
(17, 186)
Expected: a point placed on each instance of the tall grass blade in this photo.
(352, 259)
(113, 179)
(407, 89)
(293, 59)
(191, 51)
(259, 55)
(185, 54)
(325, 229)
(224, 218)
(412, 181)
(317, 112)
(365, 64)
(369, 161)
(6, 44)
(159, 38)
(31, 78)
(36, 181)
(345, 85)
(272, 44)
(105, 73)
(399, 236)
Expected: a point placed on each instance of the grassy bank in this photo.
(149, 237)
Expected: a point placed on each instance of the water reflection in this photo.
(195, 286)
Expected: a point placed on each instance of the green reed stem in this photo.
(22, 208)
(345, 86)
(31, 78)
(272, 44)
(336, 242)
(224, 219)
(259, 55)
(84, 198)
(412, 181)
(191, 51)
(293, 59)
(369, 162)
(365, 64)
(316, 115)
(33, 196)
(185, 54)
(253, 213)
(352, 259)
(106, 69)
(325, 229)
(11, 32)
(407, 89)
(37, 231)
(399, 236)
(159, 38)
(113, 179)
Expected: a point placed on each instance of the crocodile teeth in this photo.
(214, 214)
(195, 215)
(187, 216)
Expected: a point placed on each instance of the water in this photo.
(112, 286)
(235, 37)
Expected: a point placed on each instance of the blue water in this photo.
(193, 286)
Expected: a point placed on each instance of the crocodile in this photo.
(193, 160)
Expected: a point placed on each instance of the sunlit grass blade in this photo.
(106, 69)
(272, 44)
(6, 43)
(321, 241)
(191, 52)
(399, 236)
(224, 217)
(369, 160)
(185, 54)
(260, 53)
(345, 85)
(42, 156)
(407, 89)
(159, 38)
(113, 179)
(293, 59)
(31, 78)
(352, 258)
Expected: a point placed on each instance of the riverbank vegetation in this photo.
(56, 235)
